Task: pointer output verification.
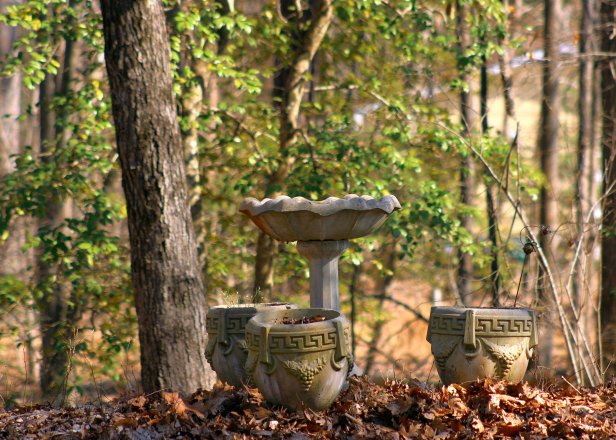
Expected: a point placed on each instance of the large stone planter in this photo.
(226, 348)
(295, 364)
(475, 343)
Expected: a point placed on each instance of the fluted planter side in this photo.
(226, 347)
(295, 364)
(475, 343)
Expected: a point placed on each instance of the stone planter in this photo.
(226, 348)
(474, 343)
(295, 364)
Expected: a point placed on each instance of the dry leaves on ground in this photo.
(395, 410)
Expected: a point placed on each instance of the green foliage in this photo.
(372, 123)
(71, 172)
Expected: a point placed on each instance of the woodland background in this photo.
(491, 121)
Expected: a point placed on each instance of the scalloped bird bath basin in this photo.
(322, 230)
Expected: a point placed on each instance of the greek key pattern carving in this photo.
(234, 324)
(454, 325)
(297, 342)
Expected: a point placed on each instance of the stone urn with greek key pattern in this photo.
(475, 343)
(295, 364)
(226, 347)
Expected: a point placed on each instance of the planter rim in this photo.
(461, 310)
(253, 207)
(249, 307)
(497, 321)
(272, 318)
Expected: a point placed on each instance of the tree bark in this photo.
(14, 261)
(505, 67)
(490, 202)
(203, 89)
(377, 330)
(582, 294)
(169, 296)
(608, 144)
(548, 152)
(293, 82)
(585, 141)
(56, 316)
(465, 260)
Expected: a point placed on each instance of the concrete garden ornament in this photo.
(299, 356)
(322, 230)
(226, 347)
(475, 343)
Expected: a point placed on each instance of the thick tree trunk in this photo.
(548, 152)
(169, 296)
(608, 143)
(465, 260)
(293, 84)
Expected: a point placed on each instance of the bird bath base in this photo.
(323, 257)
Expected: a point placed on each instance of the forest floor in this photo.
(392, 410)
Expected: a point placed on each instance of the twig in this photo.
(515, 301)
(570, 384)
(580, 240)
(399, 303)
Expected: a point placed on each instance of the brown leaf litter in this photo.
(395, 410)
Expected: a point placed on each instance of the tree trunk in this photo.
(585, 142)
(465, 260)
(293, 81)
(14, 260)
(505, 67)
(490, 202)
(582, 295)
(548, 152)
(377, 331)
(55, 315)
(52, 304)
(353, 297)
(169, 296)
(203, 88)
(608, 143)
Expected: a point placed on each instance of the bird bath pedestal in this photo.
(322, 230)
(323, 257)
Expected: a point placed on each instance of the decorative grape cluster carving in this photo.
(305, 371)
(505, 356)
(443, 351)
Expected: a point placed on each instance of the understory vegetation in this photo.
(444, 104)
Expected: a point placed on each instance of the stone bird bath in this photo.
(322, 230)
